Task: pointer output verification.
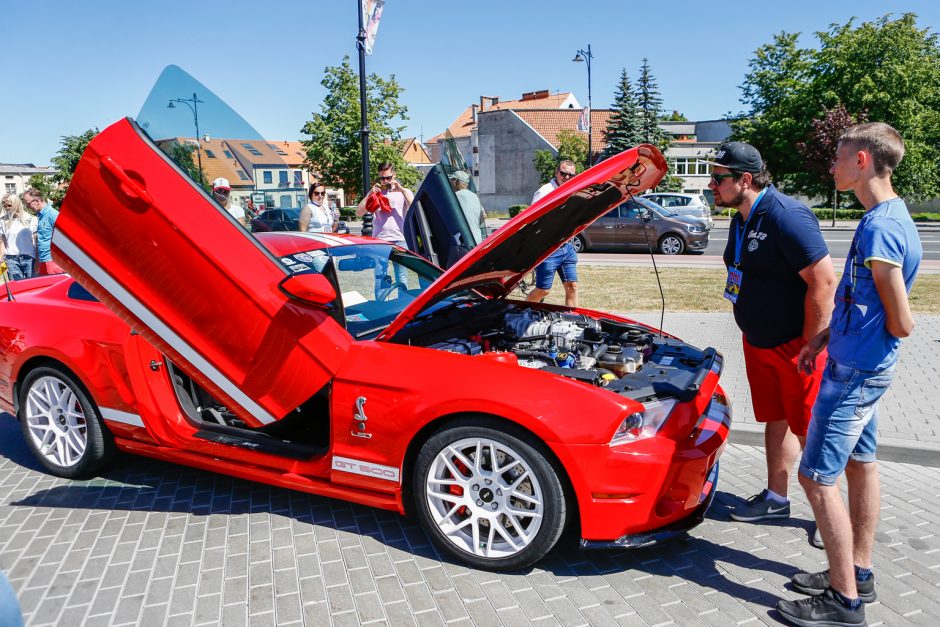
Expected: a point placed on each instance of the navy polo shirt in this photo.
(782, 239)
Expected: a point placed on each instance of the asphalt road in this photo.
(838, 241)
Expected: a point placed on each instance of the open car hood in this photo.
(497, 265)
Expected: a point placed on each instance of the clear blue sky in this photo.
(70, 66)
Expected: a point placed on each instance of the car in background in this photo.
(640, 224)
(276, 220)
(684, 204)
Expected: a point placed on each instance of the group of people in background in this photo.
(26, 226)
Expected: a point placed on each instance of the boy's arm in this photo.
(893, 294)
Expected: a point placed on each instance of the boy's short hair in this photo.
(881, 141)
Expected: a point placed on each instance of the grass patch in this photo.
(619, 288)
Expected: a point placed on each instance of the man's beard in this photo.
(735, 202)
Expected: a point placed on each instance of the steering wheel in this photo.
(387, 291)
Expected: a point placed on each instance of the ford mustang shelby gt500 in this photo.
(351, 368)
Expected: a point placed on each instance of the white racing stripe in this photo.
(159, 327)
(321, 238)
(116, 415)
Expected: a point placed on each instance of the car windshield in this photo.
(652, 206)
(375, 282)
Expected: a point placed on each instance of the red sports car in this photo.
(351, 368)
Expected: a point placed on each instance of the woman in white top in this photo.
(17, 237)
(316, 216)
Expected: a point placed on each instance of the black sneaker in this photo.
(759, 507)
(823, 609)
(816, 583)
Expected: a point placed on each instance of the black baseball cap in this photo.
(738, 156)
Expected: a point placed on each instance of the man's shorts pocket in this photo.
(872, 390)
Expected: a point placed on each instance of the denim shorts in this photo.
(563, 261)
(845, 421)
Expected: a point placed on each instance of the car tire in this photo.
(579, 244)
(477, 516)
(671, 244)
(62, 425)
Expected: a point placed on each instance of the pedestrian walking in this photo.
(563, 261)
(17, 237)
(781, 284)
(46, 216)
(871, 314)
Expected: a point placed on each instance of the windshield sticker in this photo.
(355, 318)
(287, 261)
(304, 257)
(299, 267)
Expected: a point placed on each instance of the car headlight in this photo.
(644, 424)
(694, 228)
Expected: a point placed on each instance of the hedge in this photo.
(514, 210)
(347, 214)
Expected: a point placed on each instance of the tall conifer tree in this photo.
(624, 127)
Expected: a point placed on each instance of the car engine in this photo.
(548, 339)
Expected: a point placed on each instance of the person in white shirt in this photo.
(18, 238)
(221, 191)
(316, 216)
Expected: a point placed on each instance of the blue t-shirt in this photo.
(47, 218)
(782, 238)
(858, 336)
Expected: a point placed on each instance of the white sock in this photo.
(776, 498)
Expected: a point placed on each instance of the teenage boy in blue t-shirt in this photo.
(871, 313)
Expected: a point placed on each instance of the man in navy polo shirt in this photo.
(872, 313)
(781, 282)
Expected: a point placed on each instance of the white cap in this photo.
(221, 183)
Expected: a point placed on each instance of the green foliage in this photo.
(650, 105)
(675, 116)
(825, 213)
(348, 213)
(70, 152)
(571, 146)
(391, 152)
(886, 70)
(514, 210)
(184, 156)
(47, 187)
(670, 182)
(926, 217)
(334, 147)
(624, 126)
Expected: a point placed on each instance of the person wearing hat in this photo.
(222, 192)
(781, 283)
(470, 203)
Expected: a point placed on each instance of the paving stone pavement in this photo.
(149, 543)
(909, 413)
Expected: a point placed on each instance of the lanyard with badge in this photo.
(735, 275)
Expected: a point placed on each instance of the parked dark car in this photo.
(638, 224)
(276, 220)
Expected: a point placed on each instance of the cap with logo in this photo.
(221, 183)
(738, 156)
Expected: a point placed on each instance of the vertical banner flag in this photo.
(371, 14)
(583, 120)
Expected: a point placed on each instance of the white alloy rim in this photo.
(56, 421)
(672, 245)
(485, 498)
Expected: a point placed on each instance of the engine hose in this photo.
(600, 350)
(538, 354)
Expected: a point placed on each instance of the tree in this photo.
(70, 153)
(885, 70)
(819, 149)
(334, 147)
(572, 146)
(47, 187)
(182, 155)
(650, 105)
(624, 126)
(675, 116)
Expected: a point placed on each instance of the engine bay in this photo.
(629, 359)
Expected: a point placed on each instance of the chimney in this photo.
(535, 95)
(488, 101)
(473, 113)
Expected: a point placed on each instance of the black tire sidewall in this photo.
(556, 511)
(99, 444)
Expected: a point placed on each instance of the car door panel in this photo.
(146, 241)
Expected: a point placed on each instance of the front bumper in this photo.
(629, 494)
(669, 532)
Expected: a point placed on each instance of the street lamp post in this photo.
(585, 55)
(192, 103)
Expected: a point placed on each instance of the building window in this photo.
(268, 179)
(11, 188)
(286, 201)
(251, 149)
(227, 154)
(242, 175)
(282, 178)
(690, 166)
(298, 178)
(210, 154)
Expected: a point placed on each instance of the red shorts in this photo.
(50, 267)
(778, 390)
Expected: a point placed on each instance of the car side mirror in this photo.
(311, 288)
(645, 215)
